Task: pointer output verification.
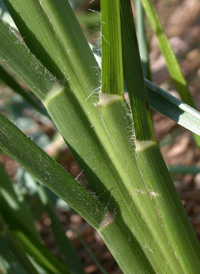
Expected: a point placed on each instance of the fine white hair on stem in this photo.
(95, 93)
(78, 176)
(95, 12)
(130, 129)
(105, 39)
(94, 194)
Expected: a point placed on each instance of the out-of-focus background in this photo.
(181, 20)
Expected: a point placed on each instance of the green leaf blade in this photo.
(134, 76)
(173, 108)
(11, 139)
(167, 51)
(15, 55)
(49, 30)
(112, 68)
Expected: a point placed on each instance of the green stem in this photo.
(112, 69)
(170, 209)
(133, 76)
(182, 243)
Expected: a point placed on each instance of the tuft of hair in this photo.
(130, 129)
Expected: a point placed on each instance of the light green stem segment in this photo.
(161, 251)
(151, 165)
(112, 68)
(134, 76)
(117, 176)
(165, 198)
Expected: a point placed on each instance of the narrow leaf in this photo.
(37, 162)
(39, 253)
(57, 40)
(134, 76)
(184, 170)
(100, 267)
(17, 57)
(112, 70)
(167, 51)
(173, 108)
